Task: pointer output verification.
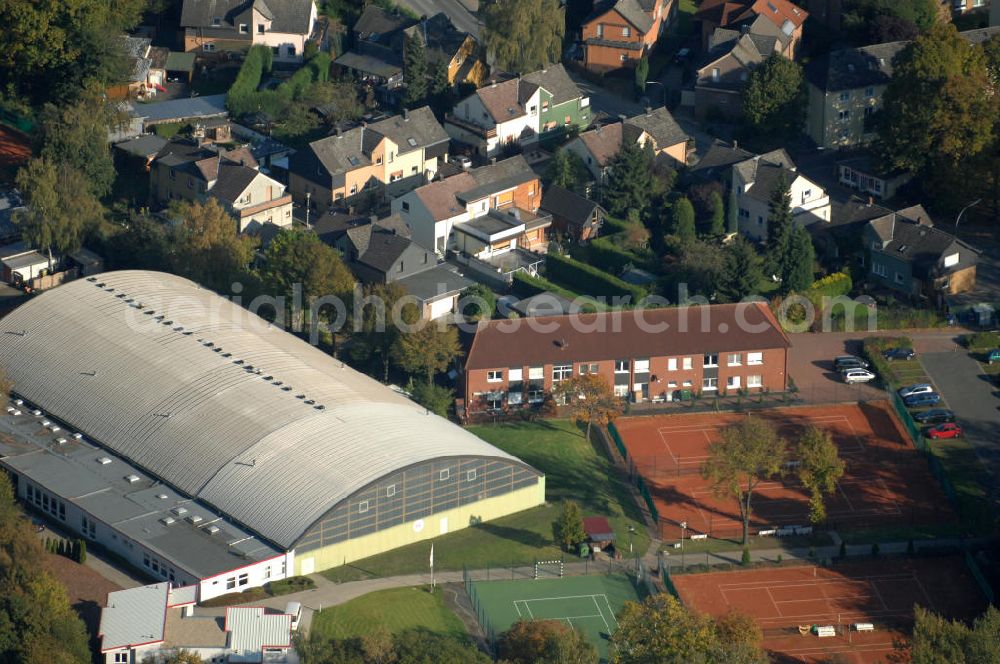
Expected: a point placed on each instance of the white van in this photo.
(858, 376)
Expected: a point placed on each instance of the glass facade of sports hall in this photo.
(416, 493)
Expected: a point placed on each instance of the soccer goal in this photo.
(547, 569)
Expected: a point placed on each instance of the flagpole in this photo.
(432, 567)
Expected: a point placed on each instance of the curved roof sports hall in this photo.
(216, 402)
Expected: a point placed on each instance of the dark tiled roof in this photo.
(375, 21)
(919, 243)
(381, 248)
(631, 10)
(560, 340)
(556, 81)
(659, 124)
(719, 157)
(503, 101)
(232, 181)
(439, 281)
(851, 68)
(288, 16)
(502, 175)
(568, 205)
(440, 36)
(420, 125)
(603, 143)
(147, 145)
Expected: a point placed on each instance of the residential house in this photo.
(965, 6)
(753, 183)
(142, 78)
(717, 162)
(436, 211)
(184, 169)
(735, 14)
(458, 52)
(845, 91)
(183, 110)
(725, 70)
(619, 33)
(864, 175)
(917, 258)
(650, 355)
(598, 147)
(846, 87)
(236, 25)
(381, 251)
(539, 106)
(577, 216)
(839, 242)
(388, 157)
(149, 622)
(377, 55)
(140, 150)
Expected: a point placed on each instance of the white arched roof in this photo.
(215, 423)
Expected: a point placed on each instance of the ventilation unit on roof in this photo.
(211, 530)
(131, 479)
(167, 520)
(78, 436)
(91, 278)
(161, 496)
(120, 296)
(150, 312)
(168, 322)
(412, 142)
(320, 407)
(286, 388)
(36, 413)
(46, 423)
(53, 429)
(61, 441)
(179, 511)
(104, 461)
(194, 519)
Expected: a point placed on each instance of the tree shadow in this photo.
(520, 535)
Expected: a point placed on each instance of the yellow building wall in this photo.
(458, 518)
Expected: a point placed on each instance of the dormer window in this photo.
(216, 21)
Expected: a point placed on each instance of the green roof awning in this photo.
(180, 62)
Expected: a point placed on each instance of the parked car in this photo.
(993, 356)
(922, 399)
(682, 56)
(899, 354)
(946, 430)
(849, 362)
(858, 376)
(919, 388)
(935, 416)
(463, 162)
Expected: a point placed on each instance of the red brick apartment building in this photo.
(646, 355)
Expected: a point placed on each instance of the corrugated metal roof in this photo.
(134, 616)
(252, 629)
(215, 401)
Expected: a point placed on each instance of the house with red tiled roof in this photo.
(645, 355)
(737, 14)
(618, 33)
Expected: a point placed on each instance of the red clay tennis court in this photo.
(787, 601)
(15, 150)
(886, 481)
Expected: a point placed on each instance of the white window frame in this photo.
(733, 382)
(641, 365)
(878, 269)
(671, 364)
(494, 376)
(734, 359)
(755, 380)
(687, 364)
(515, 374)
(622, 366)
(444, 474)
(708, 363)
(363, 506)
(755, 358)
(390, 491)
(709, 384)
(561, 372)
(470, 475)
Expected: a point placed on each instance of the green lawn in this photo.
(397, 610)
(574, 469)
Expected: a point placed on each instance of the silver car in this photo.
(919, 388)
(858, 376)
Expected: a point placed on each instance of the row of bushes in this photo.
(982, 341)
(72, 549)
(605, 254)
(873, 347)
(241, 98)
(833, 285)
(292, 584)
(590, 279)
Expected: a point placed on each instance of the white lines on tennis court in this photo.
(525, 604)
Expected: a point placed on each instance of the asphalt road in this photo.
(964, 386)
(456, 10)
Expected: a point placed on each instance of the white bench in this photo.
(864, 627)
(825, 630)
(764, 533)
(699, 536)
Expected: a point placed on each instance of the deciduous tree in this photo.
(661, 630)
(749, 453)
(937, 640)
(545, 642)
(379, 334)
(478, 302)
(429, 350)
(207, 247)
(568, 529)
(590, 399)
(523, 35)
(820, 466)
(774, 101)
(59, 208)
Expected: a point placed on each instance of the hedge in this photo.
(590, 279)
(242, 95)
(982, 341)
(873, 347)
(614, 225)
(608, 256)
(525, 285)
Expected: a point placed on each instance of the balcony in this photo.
(471, 127)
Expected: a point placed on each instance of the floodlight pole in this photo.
(684, 525)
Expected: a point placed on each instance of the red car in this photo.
(946, 430)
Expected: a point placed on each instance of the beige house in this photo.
(389, 157)
(185, 170)
(597, 147)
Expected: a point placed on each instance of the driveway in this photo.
(964, 386)
(605, 101)
(457, 11)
